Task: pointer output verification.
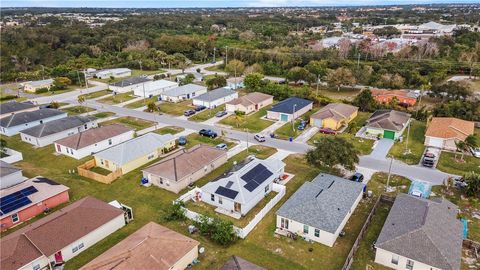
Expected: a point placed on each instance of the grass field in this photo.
(364, 146)
(286, 131)
(169, 130)
(118, 98)
(206, 114)
(75, 110)
(104, 114)
(415, 144)
(96, 94)
(100, 170)
(194, 139)
(141, 103)
(252, 122)
(175, 109)
(136, 123)
(449, 164)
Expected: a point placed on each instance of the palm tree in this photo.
(461, 147)
(471, 141)
(81, 100)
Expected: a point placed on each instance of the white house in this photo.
(420, 234)
(319, 209)
(93, 140)
(13, 107)
(33, 86)
(235, 83)
(244, 187)
(12, 125)
(113, 72)
(183, 92)
(215, 98)
(10, 175)
(445, 132)
(60, 236)
(47, 133)
(289, 109)
(154, 88)
(129, 85)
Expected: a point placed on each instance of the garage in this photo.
(435, 142)
(318, 123)
(388, 134)
(284, 117)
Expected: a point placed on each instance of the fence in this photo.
(84, 170)
(351, 254)
(13, 156)
(241, 232)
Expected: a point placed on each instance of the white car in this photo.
(259, 137)
(475, 152)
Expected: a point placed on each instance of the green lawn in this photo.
(206, 114)
(286, 131)
(194, 139)
(169, 130)
(251, 122)
(261, 151)
(118, 98)
(355, 125)
(415, 144)
(364, 146)
(136, 123)
(96, 94)
(141, 103)
(378, 183)
(100, 170)
(449, 164)
(104, 114)
(176, 109)
(77, 110)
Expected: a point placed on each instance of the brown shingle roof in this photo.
(54, 232)
(449, 127)
(388, 119)
(186, 162)
(238, 263)
(337, 111)
(150, 247)
(250, 99)
(92, 136)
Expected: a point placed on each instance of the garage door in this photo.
(284, 117)
(435, 142)
(387, 134)
(317, 123)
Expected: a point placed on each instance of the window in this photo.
(80, 246)
(395, 259)
(36, 266)
(85, 126)
(74, 249)
(101, 161)
(161, 180)
(212, 198)
(409, 265)
(109, 141)
(151, 156)
(15, 218)
(305, 228)
(317, 233)
(284, 223)
(220, 200)
(267, 188)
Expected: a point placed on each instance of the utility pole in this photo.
(140, 62)
(293, 117)
(358, 61)
(407, 151)
(85, 77)
(43, 72)
(389, 174)
(143, 85)
(214, 50)
(226, 55)
(318, 82)
(247, 140)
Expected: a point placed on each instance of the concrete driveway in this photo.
(381, 149)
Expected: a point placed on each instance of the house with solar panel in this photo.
(28, 199)
(241, 189)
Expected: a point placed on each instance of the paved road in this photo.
(72, 95)
(194, 68)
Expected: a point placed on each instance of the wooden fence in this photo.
(351, 254)
(84, 170)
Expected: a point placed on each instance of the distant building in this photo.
(33, 86)
(404, 97)
(289, 109)
(12, 125)
(251, 102)
(10, 175)
(129, 85)
(388, 124)
(235, 83)
(114, 72)
(183, 92)
(154, 88)
(215, 98)
(13, 107)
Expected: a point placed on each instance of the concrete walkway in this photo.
(237, 149)
(307, 134)
(129, 101)
(276, 125)
(280, 154)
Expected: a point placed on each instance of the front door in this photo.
(237, 207)
(284, 117)
(58, 258)
(387, 134)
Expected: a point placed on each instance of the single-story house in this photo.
(153, 246)
(10, 175)
(251, 102)
(444, 132)
(334, 116)
(239, 263)
(183, 92)
(183, 168)
(134, 153)
(197, 77)
(404, 97)
(420, 234)
(48, 133)
(388, 124)
(154, 88)
(93, 140)
(13, 124)
(215, 98)
(113, 72)
(28, 199)
(60, 236)
(33, 86)
(319, 210)
(235, 83)
(244, 187)
(289, 109)
(130, 84)
(13, 107)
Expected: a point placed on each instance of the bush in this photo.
(8, 97)
(219, 231)
(175, 212)
(41, 90)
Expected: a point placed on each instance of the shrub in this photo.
(175, 212)
(41, 90)
(219, 231)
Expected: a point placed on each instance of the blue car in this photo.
(182, 140)
(302, 125)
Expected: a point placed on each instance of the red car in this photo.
(327, 131)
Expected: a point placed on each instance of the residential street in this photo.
(72, 95)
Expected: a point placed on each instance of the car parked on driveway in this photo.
(200, 108)
(189, 112)
(428, 160)
(182, 140)
(302, 125)
(475, 152)
(357, 177)
(221, 113)
(208, 133)
(327, 131)
(259, 137)
(221, 146)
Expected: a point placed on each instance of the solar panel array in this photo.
(16, 200)
(255, 177)
(229, 193)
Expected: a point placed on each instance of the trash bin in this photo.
(291, 139)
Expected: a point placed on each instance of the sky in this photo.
(212, 3)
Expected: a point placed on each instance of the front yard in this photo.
(288, 131)
(364, 146)
(415, 144)
(169, 130)
(449, 164)
(252, 122)
(75, 110)
(136, 123)
(96, 94)
(141, 103)
(117, 99)
(206, 114)
(175, 109)
(104, 114)
(195, 138)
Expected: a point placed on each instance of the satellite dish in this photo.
(201, 250)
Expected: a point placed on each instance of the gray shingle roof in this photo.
(388, 119)
(131, 81)
(7, 168)
(57, 126)
(322, 203)
(183, 90)
(423, 230)
(135, 148)
(287, 105)
(27, 117)
(238, 263)
(215, 94)
(11, 107)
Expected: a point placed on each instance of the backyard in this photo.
(206, 114)
(117, 99)
(75, 110)
(252, 122)
(136, 123)
(415, 144)
(175, 109)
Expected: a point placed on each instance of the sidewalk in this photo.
(307, 134)
(280, 155)
(150, 129)
(237, 149)
(272, 128)
(129, 101)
